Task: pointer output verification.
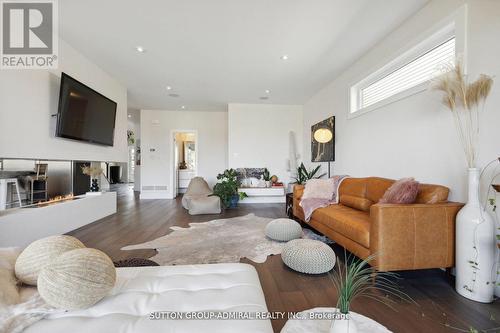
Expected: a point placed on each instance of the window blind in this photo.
(419, 70)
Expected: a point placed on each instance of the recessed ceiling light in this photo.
(140, 49)
(173, 95)
(267, 91)
(168, 87)
(284, 57)
(183, 107)
(130, 116)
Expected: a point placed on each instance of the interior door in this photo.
(175, 184)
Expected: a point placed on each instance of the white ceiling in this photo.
(213, 52)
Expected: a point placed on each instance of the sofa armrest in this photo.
(415, 236)
(298, 191)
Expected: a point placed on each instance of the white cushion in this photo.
(140, 290)
(319, 189)
(283, 230)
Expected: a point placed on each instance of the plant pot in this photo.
(475, 247)
(95, 186)
(343, 323)
(234, 201)
(268, 183)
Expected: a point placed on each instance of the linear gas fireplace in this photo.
(53, 201)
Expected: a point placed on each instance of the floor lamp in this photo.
(324, 135)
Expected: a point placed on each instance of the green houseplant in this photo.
(266, 176)
(356, 278)
(303, 175)
(227, 189)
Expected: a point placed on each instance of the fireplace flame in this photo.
(55, 199)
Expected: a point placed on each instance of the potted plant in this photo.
(356, 278)
(267, 177)
(93, 172)
(227, 189)
(303, 175)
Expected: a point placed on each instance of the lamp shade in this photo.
(323, 135)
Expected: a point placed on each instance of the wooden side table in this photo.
(289, 206)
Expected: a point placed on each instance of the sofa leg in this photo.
(449, 275)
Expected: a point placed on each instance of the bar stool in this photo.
(4, 185)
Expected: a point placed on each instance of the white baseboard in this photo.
(155, 195)
(270, 199)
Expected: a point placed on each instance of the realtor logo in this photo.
(29, 34)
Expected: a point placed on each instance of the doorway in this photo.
(185, 159)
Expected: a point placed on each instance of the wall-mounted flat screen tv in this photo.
(84, 114)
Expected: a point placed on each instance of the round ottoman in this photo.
(308, 256)
(283, 230)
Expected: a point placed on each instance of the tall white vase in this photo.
(475, 247)
(497, 231)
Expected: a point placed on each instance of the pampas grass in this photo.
(464, 99)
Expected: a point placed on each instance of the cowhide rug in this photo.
(217, 241)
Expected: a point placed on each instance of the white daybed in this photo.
(141, 290)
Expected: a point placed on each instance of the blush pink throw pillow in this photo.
(319, 189)
(403, 191)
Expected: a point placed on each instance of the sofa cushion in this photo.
(376, 187)
(353, 186)
(430, 194)
(356, 202)
(351, 223)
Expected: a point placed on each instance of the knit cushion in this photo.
(77, 279)
(308, 256)
(40, 253)
(283, 230)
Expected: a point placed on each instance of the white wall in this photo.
(156, 134)
(259, 136)
(28, 98)
(414, 136)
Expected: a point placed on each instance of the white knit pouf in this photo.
(283, 230)
(308, 256)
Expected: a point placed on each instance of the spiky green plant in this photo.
(303, 175)
(266, 175)
(356, 278)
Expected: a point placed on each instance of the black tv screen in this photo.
(84, 114)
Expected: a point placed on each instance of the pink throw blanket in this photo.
(310, 205)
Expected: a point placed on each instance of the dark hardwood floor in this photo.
(438, 305)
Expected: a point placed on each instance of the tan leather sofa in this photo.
(403, 237)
